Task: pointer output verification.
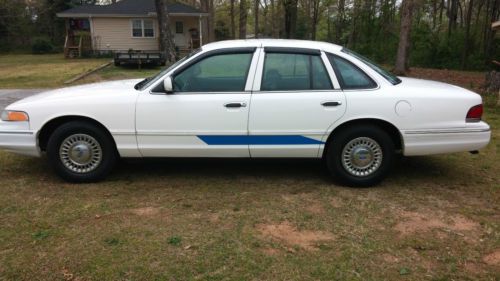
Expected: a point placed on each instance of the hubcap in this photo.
(80, 153)
(362, 156)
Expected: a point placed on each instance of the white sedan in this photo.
(250, 98)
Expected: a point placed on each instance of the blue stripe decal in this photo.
(258, 140)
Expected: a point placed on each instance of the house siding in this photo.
(115, 34)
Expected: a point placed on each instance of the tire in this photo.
(360, 156)
(81, 152)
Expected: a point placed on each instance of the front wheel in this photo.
(81, 152)
(360, 156)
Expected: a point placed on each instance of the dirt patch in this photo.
(270, 251)
(315, 208)
(146, 211)
(337, 202)
(388, 258)
(414, 222)
(291, 236)
(214, 218)
(493, 258)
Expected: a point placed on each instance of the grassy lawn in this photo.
(434, 218)
(51, 71)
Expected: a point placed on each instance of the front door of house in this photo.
(180, 38)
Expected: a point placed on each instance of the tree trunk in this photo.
(166, 41)
(211, 19)
(401, 66)
(207, 6)
(290, 7)
(340, 21)
(467, 34)
(452, 15)
(233, 25)
(243, 19)
(315, 19)
(256, 18)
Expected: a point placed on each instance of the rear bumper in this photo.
(427, 142)
(16, 137)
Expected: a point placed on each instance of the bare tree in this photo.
(290, 7)
(452, 15)
(233, 25)
(207, 6)
(467, 33)
(256, 18)
(166, 40)
(407, 8)
(314, 18)
(340, 20)
(243, 19)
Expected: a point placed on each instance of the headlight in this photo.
(17, 116)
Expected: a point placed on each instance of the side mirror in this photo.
(168, 85)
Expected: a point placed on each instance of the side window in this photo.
(218, 73)
(350, 76)
(285, 72)
(137, 28)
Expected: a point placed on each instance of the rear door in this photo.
(296, 98)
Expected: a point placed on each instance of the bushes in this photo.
(42, 45)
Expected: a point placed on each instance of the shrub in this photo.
(42, 45)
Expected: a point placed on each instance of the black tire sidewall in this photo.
(109, 154)
(339, 141)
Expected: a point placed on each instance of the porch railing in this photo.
(77, 45)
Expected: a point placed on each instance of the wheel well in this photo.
(52, 125)
(389, 128)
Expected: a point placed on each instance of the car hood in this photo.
(91, 91)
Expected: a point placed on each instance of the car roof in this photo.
(286, 43)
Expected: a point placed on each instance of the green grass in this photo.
(51, 71)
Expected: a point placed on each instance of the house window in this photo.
(143, 28)
(179, 27)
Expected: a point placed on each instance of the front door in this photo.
(180, 39)
(206, 115)
(296, 99)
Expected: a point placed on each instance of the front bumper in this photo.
(426, 142)
(16, 137)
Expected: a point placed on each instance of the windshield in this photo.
(386, 74)
(151, 80)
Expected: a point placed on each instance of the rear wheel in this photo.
(81, 152)
(360, 156)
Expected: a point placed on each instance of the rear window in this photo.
(349, 75)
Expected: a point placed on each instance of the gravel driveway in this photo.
(11, 95)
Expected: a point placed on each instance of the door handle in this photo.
(331, 103)
(235, 104)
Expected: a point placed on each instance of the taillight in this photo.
(474, 114)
